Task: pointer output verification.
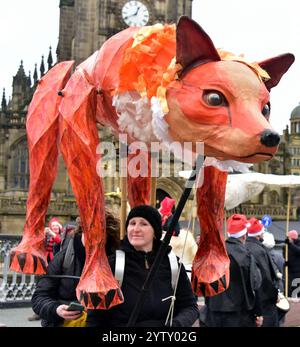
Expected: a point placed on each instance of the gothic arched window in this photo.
(274, 198)
(19, 168)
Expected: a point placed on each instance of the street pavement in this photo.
(17, 317)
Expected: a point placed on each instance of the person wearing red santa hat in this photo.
(268, 292)
(255, 228)
(293, 263)
(166, 210)
(52, 240)
(53, 237)
(238, 306)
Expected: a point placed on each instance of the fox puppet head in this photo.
(221, 99)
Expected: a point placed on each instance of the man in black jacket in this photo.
(268, 291)
(239, 305)
(293, 243)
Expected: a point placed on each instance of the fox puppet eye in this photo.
(214, 98)
(266, 110)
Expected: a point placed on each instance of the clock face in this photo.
(135, 13)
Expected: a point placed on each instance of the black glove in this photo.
(287, 241)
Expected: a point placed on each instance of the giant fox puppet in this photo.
(158, 83)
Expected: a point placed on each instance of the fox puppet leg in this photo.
(138, 178)
(210, 271)
(42, 133)
(97, 289)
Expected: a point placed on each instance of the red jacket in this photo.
(49, 247)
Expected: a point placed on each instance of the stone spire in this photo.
(20, 76)
(21, 89)
(29, 78)
(42, 67)
(35, 74)
(3, 102)
(50, 59)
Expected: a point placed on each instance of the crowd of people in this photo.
(251, 299)
(255, 293)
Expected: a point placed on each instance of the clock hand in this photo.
(130, 13)
(137, 11)
(134, 14)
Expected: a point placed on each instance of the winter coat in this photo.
(268, 291)
(279, 261)
(294, 258)
(245, 279)
(52, 292)
(293, 266)
(154, 311)
(52, 246)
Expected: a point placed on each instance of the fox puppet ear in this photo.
(193, 46)
(276, 67)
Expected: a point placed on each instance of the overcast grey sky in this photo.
(258, 28)
(27, 29)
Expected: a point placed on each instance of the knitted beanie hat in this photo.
(150, 214)
(293, 234)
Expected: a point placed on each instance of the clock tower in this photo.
(86, 24)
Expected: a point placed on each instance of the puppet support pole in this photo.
(153, 192)
(193, 221)
(286, 245)
(154, 175)
(225, 224)
(123, 206)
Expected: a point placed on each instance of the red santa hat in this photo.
(256, 227)
(166, 206)
(237, 225)
(54, 221)
(293, 234)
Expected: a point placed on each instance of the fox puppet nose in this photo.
(270, 138)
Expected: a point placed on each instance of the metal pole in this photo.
(193, 225)
(123, 206)
(165, 242)
(153, 192)
(225, 224)
(286, 245)
(123, 184)
(154, 175)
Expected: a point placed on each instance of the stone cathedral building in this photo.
(84, 26)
